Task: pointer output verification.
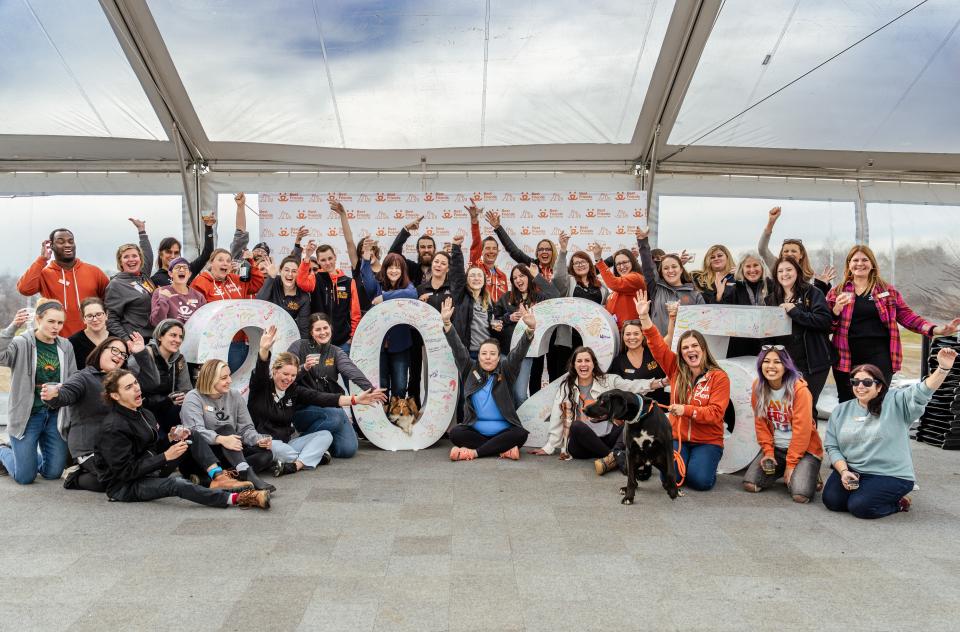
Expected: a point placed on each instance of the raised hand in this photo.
(45, 251)
(642, 233)
(240, 199)
(564, 239)
(272, 269)
(642, 303)
(337, 208)
(526, 315)
(446, 310)
(268, 337)
(139, 224)
(493, 218)
(459, 237)
(828, 274)
(686, 257)
(946, 358)
(135, 343)
(473, 210)
(302, 232)
(366, 249)
(22, 316)
(596, 250)
(774, 214)
(209, 220)
(414, 225)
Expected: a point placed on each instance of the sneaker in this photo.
(259, 499)
(3, 470)
(513, 454)
(282, 469)
(227, 481)
(904, 504)
(606, 464)
(326, 458)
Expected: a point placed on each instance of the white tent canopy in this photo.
(803, 96)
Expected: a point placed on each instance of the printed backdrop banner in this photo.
(609, 217)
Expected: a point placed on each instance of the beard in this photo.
(425, 259)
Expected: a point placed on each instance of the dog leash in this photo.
(677, 456)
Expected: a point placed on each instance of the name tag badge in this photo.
(883, 295)
(629, 371)
(209, 409)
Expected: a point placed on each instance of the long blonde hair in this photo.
(685, 379)
(704, 276)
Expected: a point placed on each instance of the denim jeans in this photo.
(877, 496)
(523, 380)
(308, 448)
(236, 355)
(394, 372)
(803, 481)
(701, 460)
(22, 459)
(335, 421)
(153, 487)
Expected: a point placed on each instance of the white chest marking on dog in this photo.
(644, 438)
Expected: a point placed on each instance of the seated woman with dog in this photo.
(790, 446)
(868, 441)
(490, 423)
(571, 429)
(699, 395)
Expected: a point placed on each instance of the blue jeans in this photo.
(523, 380)
(395, 372)
(22, 459)
(236, 355)
(307, 448)
(315, 418)
(877, 496)
(345, 347)
(701, 460)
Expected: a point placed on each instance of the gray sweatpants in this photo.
(802, 483)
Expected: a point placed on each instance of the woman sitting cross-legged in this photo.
(699, 395)
(576, 434)
(789, 443)
(135, 459)
(321, 366)
(869, 445)
(490, 423)
(274, 399)
(165, 398)
(218, 415)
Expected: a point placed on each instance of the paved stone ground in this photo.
(411, 541)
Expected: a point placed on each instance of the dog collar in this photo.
(640, 411)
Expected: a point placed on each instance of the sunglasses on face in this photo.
(766, 348)
(864, 382)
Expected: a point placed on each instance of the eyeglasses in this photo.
(119, 353)
(766, 348)
(864, 382)
(94, 316)
(798, 242)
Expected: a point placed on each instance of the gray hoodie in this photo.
(128, 298)
(20, 355)
(660, 292)
(211, 418)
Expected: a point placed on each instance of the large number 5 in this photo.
(441, 401)
(599, 332)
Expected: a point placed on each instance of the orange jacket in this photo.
(495, 277)
(702, 419)
(623, 293)
(805, 436)
(69, 287)
(230, 288)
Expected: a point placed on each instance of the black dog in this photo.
(646, 435)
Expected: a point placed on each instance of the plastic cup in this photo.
(52, 388)
(769, 467)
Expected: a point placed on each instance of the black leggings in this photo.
(464, 436)
(816, 382)
(874, 351)
(586, 444)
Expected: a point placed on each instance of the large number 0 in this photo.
(210, 330)
(441, 402)
(599, 332)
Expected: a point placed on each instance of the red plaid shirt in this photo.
(892, 310)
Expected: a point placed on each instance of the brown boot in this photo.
(259, 499)
(606, 464)
(227, 481)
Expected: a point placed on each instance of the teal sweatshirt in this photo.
(877, 444)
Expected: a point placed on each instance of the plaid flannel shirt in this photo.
(892, 310)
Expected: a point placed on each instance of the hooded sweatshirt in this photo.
(67, 286)
(798, 421)
(179, 306)
(231, 287)
(226, 415)
(128, 305)
(661, 292)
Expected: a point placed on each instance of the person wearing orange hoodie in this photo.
(699, 395)
(790, 445)
(624, 286)
(332, 293)
(218, 282)
(66, 279)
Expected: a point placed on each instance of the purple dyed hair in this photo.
(761, 387)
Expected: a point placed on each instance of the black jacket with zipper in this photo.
(812, 323)
(275, 417)
(129, 448)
